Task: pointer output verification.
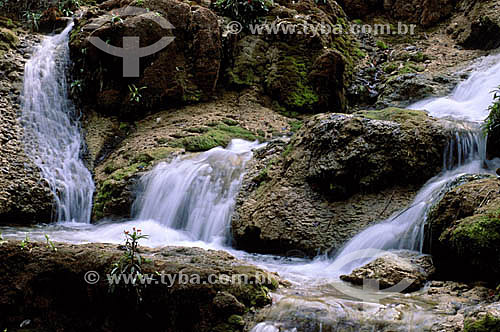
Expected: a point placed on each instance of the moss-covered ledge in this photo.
(48, 287)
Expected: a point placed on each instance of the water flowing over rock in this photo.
(293, 196)
(24, 196)
(196, 194)
(51, 132)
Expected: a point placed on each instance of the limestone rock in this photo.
(45, 283)
(393, 268)
(464, 230)
(338, 174)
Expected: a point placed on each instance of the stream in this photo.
(189, 202)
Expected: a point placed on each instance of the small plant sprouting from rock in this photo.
(130, 264)
(50, 244)
(135, 93)
(115, 18)
(26, 243)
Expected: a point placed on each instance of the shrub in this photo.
(492, 123)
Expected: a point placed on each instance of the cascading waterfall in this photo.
(471, 98)
(52, 135)
(197, 194)
(465, 153)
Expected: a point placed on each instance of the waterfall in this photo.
(471, 98)
(196, 194)
(52, 135)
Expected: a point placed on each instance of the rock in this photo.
(393, 268)
(482, 34)
(51, 287)
(464, 230)
(185, 71)
(338, 174)
(483, 319)
(24, 196)
(120, 152)
(405, 89)
(361, 8)
(308, 72)
(423, 12)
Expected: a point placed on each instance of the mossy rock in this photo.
(488, 323)
(8, 39)
(395, 114)
(219, 135)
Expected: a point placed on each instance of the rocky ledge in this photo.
(464, 230)
(43, 288)
(337, 175)
(24, 196)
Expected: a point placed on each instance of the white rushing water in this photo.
(51, 131)
(471, 98)
(196, 194)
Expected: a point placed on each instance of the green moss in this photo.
(381, 45)
(359, 53)
(8, 38)
(419, 57)
(486, 324)
(230, 122)
(357, 21)
(236, 320)
(221, 135)
(390, 67)
(478, 233)
(127, 172)
(295, 125)
(393, 114)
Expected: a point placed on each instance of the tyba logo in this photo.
(131, 51)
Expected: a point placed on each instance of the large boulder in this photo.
(186, 70)
(338, 174)
(305, 71)
(477, 26)
(464, 230)
(393, 268)
(24, 196)
(121, 153)
(53, 288)
(423, 12)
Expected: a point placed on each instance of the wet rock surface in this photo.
(338, 174)
(120, 161)
(410, 269)
(464, 230)
(48, 288)
(444, 306)
(24, 196)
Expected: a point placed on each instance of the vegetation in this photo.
(130, 264)
(486, 324)
(381, 45)
(135, 93)
(50, 244)
(245, 12)
(219, 135)
(492, 122)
